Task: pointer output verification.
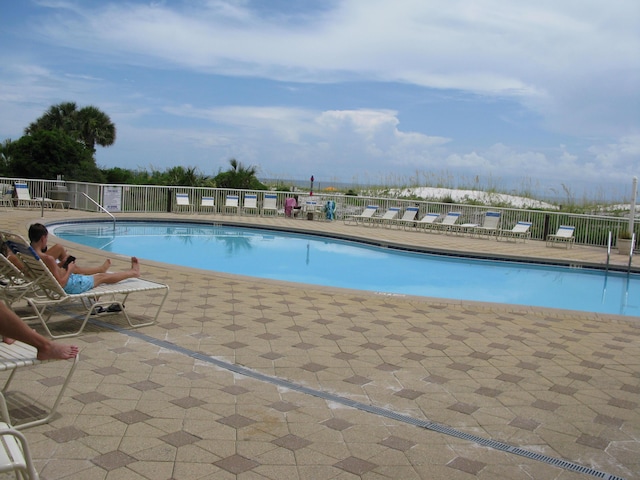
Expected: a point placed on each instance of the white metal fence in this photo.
(589, 229)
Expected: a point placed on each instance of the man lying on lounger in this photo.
(72, 282)
(60, 254)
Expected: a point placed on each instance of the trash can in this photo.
(309, 215)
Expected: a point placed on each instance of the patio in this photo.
(246, 378)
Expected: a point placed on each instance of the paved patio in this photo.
(255, 379)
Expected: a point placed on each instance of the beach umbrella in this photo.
(311, 189)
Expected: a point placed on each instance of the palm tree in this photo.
(58, 117)
(89, 125)
(95, 127)
(239, 176)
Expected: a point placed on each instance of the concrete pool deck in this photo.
(340, 383)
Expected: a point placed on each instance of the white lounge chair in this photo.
(364, 216)
(13, 284)
(489, 225)
(25, 200)
(389, 216)
(250, 203)
(6, 198)
(50, 293)
(447, 222)
(207, 203)
(232, 202)
(564, 235)
(183, 203)
(18, 355)
(270, 204)
(409, 216)
(426, 222)
(23, 196)
(15, 455)
(519, 231)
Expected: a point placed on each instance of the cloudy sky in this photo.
(539, 95)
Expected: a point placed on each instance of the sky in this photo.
(527, 96)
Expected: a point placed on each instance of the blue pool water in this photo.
(323, 261)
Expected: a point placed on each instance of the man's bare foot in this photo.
(57, 351)
(135, 266)
(8, 340)
(106, 265)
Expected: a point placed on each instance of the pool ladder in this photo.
(633, 242)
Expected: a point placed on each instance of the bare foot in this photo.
(135, 266)
(57, 351)
(8, 340)
(106, 265)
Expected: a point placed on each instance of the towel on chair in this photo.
(330, 210)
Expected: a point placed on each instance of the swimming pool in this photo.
(339, 263)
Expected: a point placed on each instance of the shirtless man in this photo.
(69, 278)
(12, 328)
(60, 254)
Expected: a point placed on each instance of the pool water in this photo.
(337, 263)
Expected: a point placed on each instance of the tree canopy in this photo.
(239, 176)
(63, 140)
(48, 153)
(88, 125)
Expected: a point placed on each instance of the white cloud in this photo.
(573, 65)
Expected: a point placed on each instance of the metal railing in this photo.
(589, 229)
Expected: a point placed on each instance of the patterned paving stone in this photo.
(355, 465)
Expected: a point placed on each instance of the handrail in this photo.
(608, 250)
(633, 242)
(101, 208)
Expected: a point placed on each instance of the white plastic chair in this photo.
(564, 235)
(183, 203)
(15, 455)
(270, 204)
(250, 203)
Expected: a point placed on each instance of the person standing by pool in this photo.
(292, 207)
(71, 282)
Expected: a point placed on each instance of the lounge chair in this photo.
(310, 207)
(183, 203)
(18, 355)
(250, 203)
(447, 222)
(489, 225)
(6, 195)
(25, 200)
(207, 203)
(426, 222)
(50, 294)
(409, 215)
(564, 235)
(270, 205)
(13, 284)
(365, 215)
(23, 196)
(232, 202)
(389, 216)
(15, 455)
(519, 231)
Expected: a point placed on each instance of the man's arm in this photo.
(62, 275)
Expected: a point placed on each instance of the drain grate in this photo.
(383, 412)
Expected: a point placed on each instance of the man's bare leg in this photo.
(13, 328)
(115, 277)
(93, 270)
